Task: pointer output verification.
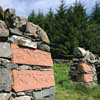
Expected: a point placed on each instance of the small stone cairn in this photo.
(85, 68)
(25, 61)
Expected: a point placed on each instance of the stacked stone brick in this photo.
(84, 72)
(25, 61)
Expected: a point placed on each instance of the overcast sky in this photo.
(24, 7)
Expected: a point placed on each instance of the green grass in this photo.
(68, 91)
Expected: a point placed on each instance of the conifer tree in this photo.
(95, 16)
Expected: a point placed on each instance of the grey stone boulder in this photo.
(22, 41)
(4, 61)
(1, 13)
(5, 80)
(5, 50)
(4, 96)
(24, 67)
(43, 35)
(10, 65)
(15, 31)
(10, 16)
(51, 97)
(4, 32)
(29, 93)
(20, 23)
(23, 98)
(44, 93)
(20, 93)
(31, 29)
(43, 47)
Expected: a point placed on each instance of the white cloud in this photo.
(24, 7)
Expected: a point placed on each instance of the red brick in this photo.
(30, 56)
(32, 79)
(84, 67)
(86, 78)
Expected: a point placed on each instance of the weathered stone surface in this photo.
(10, 65)
(15, 31)
(5, 50)
(23, 67)
(23, 98)
(43, 47)
(4, 32)
(31, 29)
(21, 23)
(9, 12)
(4, 96)
(20, 93)
(32, 79)
(5, 80)
(42, 35)
(48, 98)
(29, 93)
(10, 17)
(31, 57)
(1, 66)
(1, 13)
(3, 61)
(22, 41)
(84, 67)
(86, 78)
(41, 68)
(44, 93)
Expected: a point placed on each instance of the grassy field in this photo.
(67, 91)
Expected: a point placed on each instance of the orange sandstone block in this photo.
(30, 56)
(32, 79)
(86, 78)
(84, 67)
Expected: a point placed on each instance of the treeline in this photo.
(70, 27)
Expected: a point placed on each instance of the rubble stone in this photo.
(4, 96)
(15, 31)
(31, 29)
(5, 80)
(10, 65)
(23, 67)
(4, 61)
(1, 13)
(51, 97)
(42, 35)
(21, 23)
(6, 51)
(22, 41)
(4, 32)
(23, 98)
(44, 93)
(20, 93)
(43, 47)
(10, 16)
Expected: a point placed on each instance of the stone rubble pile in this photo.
(25, 61)
(85, 68)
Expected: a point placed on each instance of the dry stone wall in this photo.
(85, 68)
(25, 60)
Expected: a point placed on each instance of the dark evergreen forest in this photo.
(70, 27)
